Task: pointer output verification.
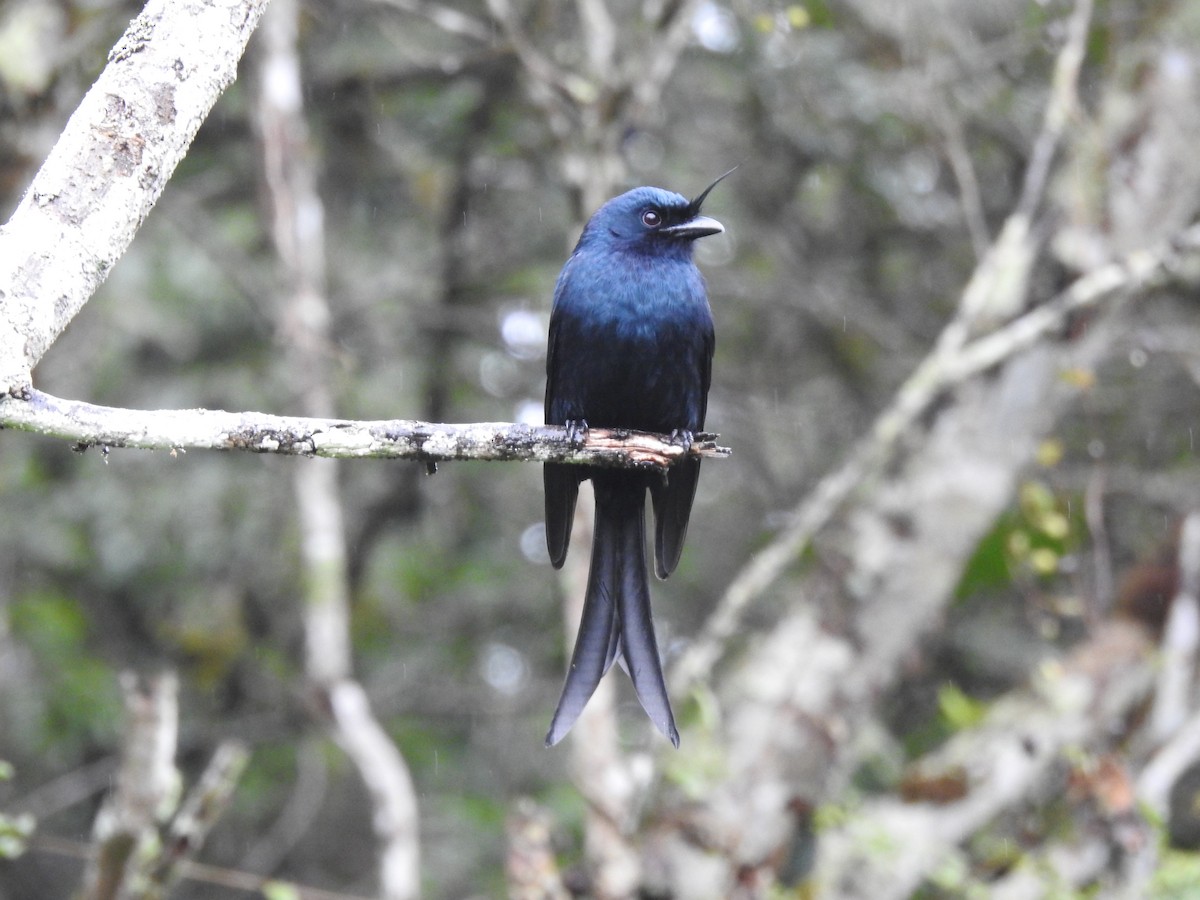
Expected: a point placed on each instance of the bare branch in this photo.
(559, 83)
(146, 788)
(201, 808)
(1063, 102)
(109, 167)
(201, 873)
(205, 429)
(949, 365)
(386, 776)
(447, 18)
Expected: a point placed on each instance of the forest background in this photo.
(935, 631)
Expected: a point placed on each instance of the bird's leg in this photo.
(577, 431)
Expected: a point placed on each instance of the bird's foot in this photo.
(683, 438)
(577, 431)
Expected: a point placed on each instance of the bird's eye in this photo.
(651, 218)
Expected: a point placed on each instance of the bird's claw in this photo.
(577, 431)
(683, 438)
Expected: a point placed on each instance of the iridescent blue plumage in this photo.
(631, 346)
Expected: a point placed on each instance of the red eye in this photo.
(651, 218)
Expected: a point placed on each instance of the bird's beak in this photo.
(695, 227)
(699, 226)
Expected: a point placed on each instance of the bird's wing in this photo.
(561, 482)
(673, 496)
(672, 499)
(562, 489)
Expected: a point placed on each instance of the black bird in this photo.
(631, 346)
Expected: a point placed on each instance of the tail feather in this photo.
(599, 631)
(616, 621)
(638, 645)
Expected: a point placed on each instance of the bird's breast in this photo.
(630, 347)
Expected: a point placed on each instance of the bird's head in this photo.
(652, 219)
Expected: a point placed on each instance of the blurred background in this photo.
(455, 150)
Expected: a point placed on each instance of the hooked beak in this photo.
(699, 226)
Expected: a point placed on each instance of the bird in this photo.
(630, 346)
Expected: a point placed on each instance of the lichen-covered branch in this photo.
(107, 427)
(886, 848)
(110, 166)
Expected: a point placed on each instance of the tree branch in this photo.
(109, 427)
(109, 167)
(145, 789)
(1072, 703)
(204, 804)
(949, 365)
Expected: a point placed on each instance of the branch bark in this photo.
(109, 167)
(106, 427)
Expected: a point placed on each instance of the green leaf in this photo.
(280, 890)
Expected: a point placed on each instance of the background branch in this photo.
(1072, 704)
(305, 316)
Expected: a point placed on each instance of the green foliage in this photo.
(957, 710)
(81, 700)
(1176, 877)
(14, 830)
(1028, 542)
(280, 890)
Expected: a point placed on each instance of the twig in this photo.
(199, 872)
(1063, 102)
(89, 425)
(648, 74)
(963, 168)
(447, 18)
(560, 83)
(272, 845)
(201, 808)
(1160, 774)
(64, 791)
(599, 35)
